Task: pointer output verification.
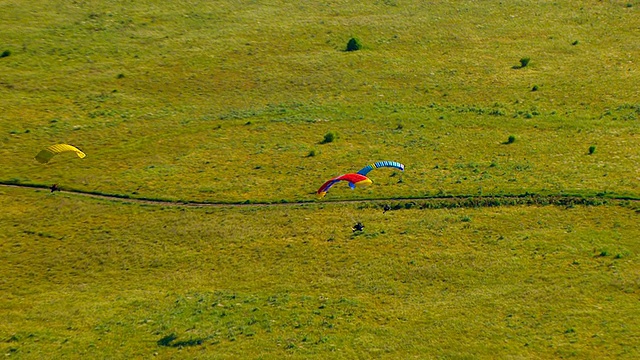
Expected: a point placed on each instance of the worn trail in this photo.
(457, 201)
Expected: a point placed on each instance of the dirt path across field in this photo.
(391, 203)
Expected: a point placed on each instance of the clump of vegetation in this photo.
(354, 44)
(329, 137)
(5, 53)
(312, 153)
(534, 88)
(120, 76)
(523, 63)
(511, 139)
(575, 42)
(592, 149)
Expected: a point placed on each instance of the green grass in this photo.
(206, 100)
(296, 281)
(230, 102)
(268, 159)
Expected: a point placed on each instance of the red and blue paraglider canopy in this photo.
(353, 180)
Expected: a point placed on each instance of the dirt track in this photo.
(394, 203)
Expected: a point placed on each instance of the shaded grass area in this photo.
(537, 281)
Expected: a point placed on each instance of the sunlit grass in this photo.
(296, 280)
(163, 97)
(232, 101)
(266, 157)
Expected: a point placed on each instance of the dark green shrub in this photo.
(523, 63)
(328, 138)
(354, 44)
(5, 53)
(511, 139)
(575, 42)
(592, 149)
(534, 88)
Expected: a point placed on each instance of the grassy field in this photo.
(226, 100)
(229, 102)
(294, 281)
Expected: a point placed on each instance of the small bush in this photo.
(354, 44)
(534, 88)
(120, 76)
(523, 63)
(511, 139)
(592, 149)
(312, 153)
(575, 42)
(5, 53)
(328, 138)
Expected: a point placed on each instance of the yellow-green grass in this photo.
(210, 56)
(295, 281)
(228, 101)
(267, 157)
(224, 101)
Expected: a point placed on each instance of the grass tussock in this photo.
(354, 44)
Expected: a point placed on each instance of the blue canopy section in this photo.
(393, 164)
(365, 170)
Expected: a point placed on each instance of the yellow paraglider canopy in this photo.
(45, 155)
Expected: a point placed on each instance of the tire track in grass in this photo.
(426, 202)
